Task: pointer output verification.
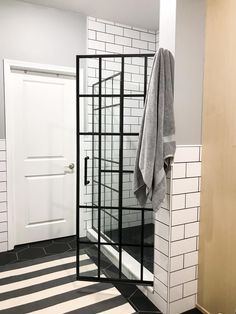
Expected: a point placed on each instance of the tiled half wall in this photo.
(177, 236)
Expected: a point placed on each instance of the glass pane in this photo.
(109, 260)
(131, 268)
(85, 114)
(129, 198)
(130, 144)
(88, 260)
(148, 263)
(85, 225)
(110, 113)
(111, 74)
(133, 113)
(88, 224)
(134, 75)
(109, 225)
(95, 219)
(109, 196)
(110, 152)
(149, 228)
(91, 117)
(89, 157)
(131, 227)
(92, 76)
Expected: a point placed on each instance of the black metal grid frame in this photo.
(111, 161)
(121, 134)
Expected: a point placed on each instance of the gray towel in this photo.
(156, 146)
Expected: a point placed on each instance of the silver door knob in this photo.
(71, 166)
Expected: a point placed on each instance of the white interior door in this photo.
(44, 143)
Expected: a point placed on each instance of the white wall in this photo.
(38, 34)
(182, 31)
(189, 69)
(167, 25)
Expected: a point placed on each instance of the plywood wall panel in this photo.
(217, 268)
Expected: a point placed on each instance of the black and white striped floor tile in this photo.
(49, 286)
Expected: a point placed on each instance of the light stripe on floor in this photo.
(28, 269)
(83, 301)
(47, 293)
(40, 279)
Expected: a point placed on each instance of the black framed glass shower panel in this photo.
(107, 175)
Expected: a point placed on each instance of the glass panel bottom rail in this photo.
(111, 280)
(116, 244)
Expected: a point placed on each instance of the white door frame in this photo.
(8, 66)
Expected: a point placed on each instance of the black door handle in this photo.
(86, 181)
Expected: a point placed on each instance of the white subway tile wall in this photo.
(182, 305)
(177, 254)
(109, 37)
(3, 198)
(176, 263)
(176, 293)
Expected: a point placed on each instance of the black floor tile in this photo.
(125, 289)
(20, 248)
(57, 248)
(85, 245)
(42, 244)
(31, 253)
(7, 258)
(72, 244)
(142, 303)
(37, 249)
(111, 271)
(64, 240)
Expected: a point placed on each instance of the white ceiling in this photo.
(139, 13)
